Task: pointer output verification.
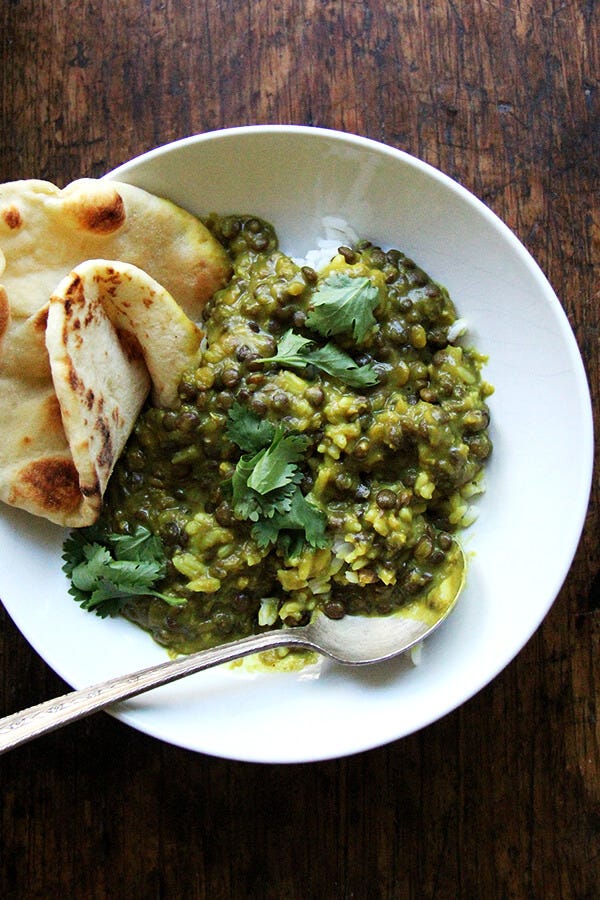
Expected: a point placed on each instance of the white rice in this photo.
(457, 329)
(336, 233)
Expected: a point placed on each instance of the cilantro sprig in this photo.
(265, 485)
(107, 569)
(292, 527)
(296, 352)
(343, 303)
(263, 482)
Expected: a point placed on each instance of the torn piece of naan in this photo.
(45, 232)
(73, 379)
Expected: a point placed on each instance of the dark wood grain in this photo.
(501, 799)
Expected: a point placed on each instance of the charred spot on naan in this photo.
(97, 208)
(90, 398)
(39, 320)
(73, 379)
(106, 455)
(51, 484)
(74, 295)
(130, 344)
(12, 217)
(108, 276)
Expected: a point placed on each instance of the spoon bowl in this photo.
(353, 640)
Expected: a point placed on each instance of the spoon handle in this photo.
(24, 726)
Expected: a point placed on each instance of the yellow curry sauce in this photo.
(384, 470)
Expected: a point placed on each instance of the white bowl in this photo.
(538, 479)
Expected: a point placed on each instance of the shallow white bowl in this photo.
(538, 479)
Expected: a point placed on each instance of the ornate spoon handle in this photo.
(24, 726)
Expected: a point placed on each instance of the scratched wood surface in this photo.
(500, 799)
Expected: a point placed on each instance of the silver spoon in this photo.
(353, 640)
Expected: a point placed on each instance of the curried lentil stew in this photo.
(322, 456)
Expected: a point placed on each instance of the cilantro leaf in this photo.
(247, 430)
(337, 363)
(274, 466)
(302, 521)
(343, 303)
(262, 484)
(141, 544)
(290, 345)
(296, 352)
(251, 504)
(76, 542)
(107, 569)
(245, 505)
(265, 486)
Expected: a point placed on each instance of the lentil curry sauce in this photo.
(389, 467)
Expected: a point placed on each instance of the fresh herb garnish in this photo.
(296, 352)
(107, 569)
(302, 521)
(343, 303)
(247, 430)
(265, 484)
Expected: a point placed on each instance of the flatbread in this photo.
(73, 378)
(45, 232)
(82, 338)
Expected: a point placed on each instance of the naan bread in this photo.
(45, 232)
(73, 378)
(78, 360)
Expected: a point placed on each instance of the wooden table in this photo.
(500, 799)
